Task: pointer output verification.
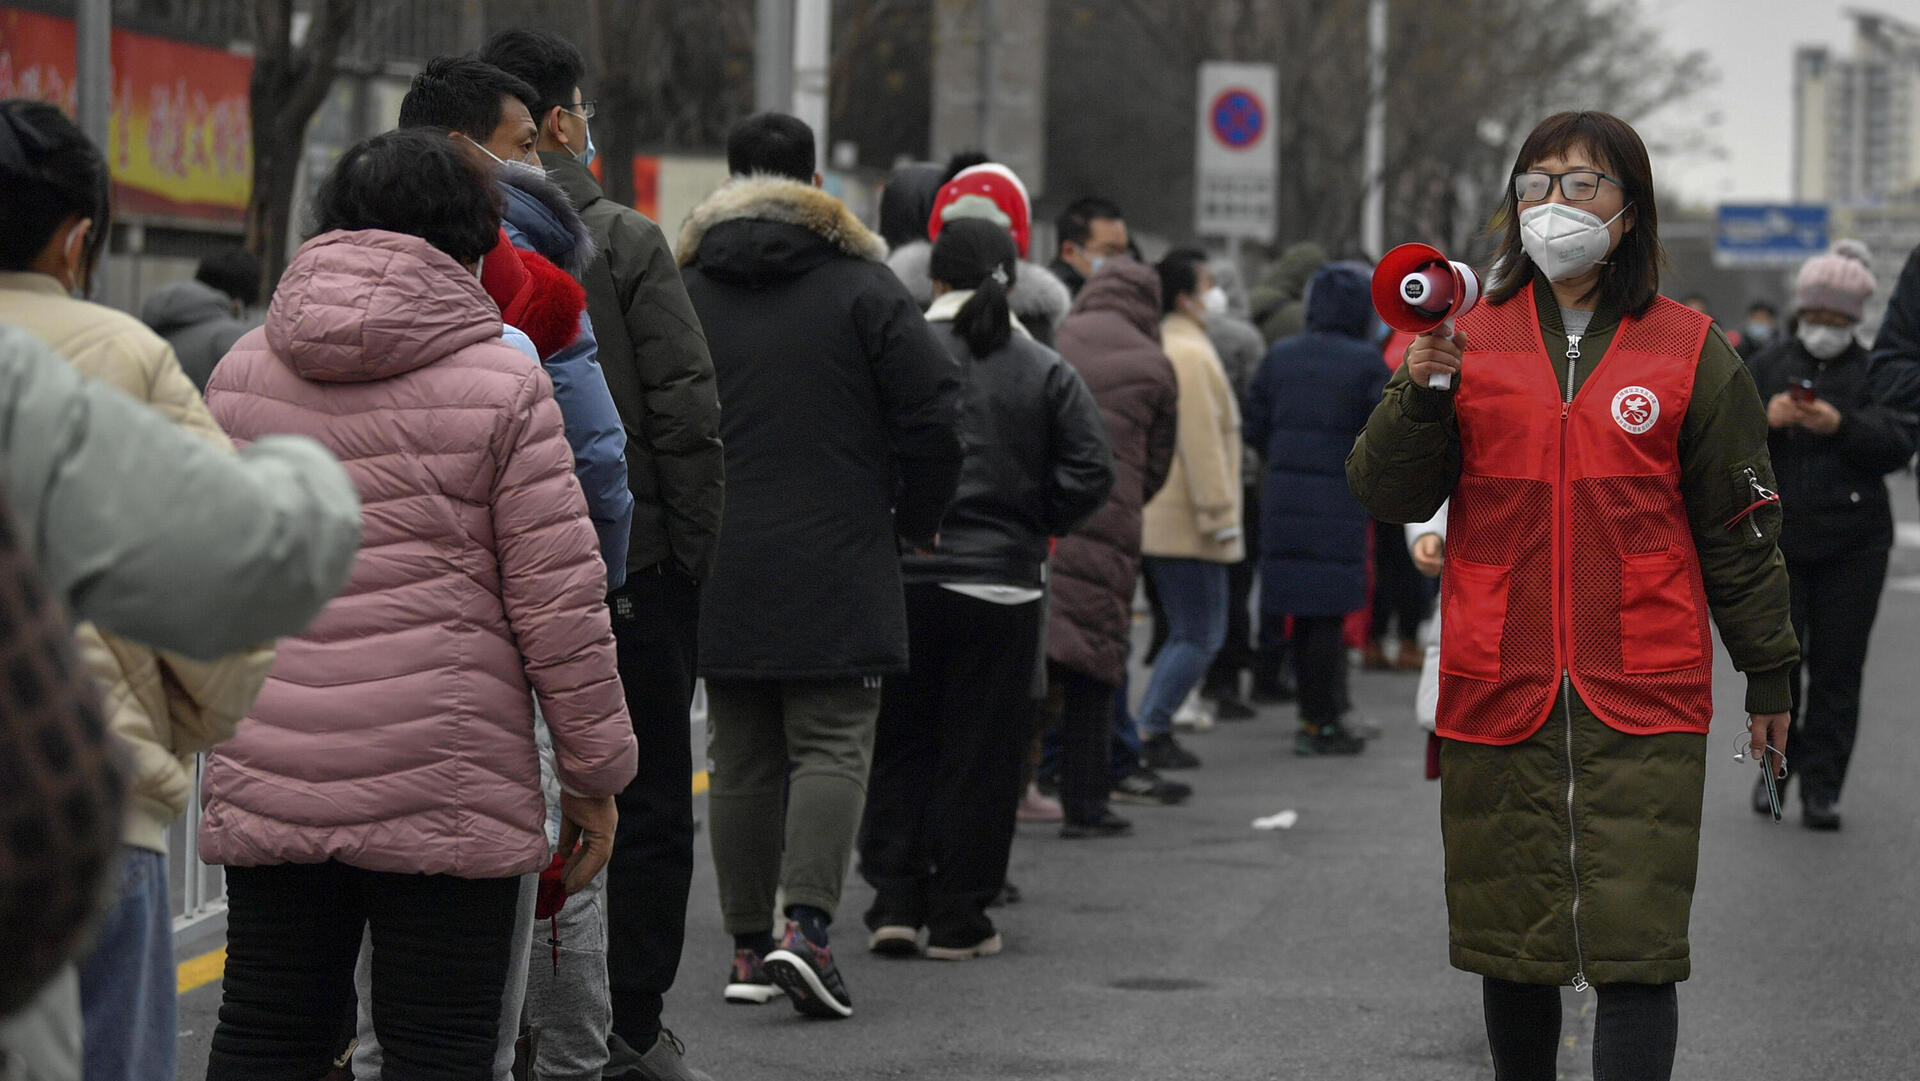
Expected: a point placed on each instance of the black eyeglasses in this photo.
(1578, 185)
(584, 110)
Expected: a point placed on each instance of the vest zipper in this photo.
(1573, 838)
(1566, 682)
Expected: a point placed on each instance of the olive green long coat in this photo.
(1571, 855)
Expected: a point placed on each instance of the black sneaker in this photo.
(1107, 825)
(807, 974)
(747, 982)
(1161, 752)
(1327, 740)
(1145, 788)
(1230, 707)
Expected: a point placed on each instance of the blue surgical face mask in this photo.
(585, 157)
(1094, 263)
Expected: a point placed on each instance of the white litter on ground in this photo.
(1282, 821)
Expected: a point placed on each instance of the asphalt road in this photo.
(1200, 947)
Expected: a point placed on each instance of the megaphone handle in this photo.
(1442, 380)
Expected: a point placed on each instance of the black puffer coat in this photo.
(1832, 487)
(839, 417)
(1311, 398)
(1113, 340)
(1037, 464)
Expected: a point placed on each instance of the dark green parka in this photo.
(1571, 855)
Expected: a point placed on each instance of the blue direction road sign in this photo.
(1782, 234)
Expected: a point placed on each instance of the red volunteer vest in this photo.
(1568, 546)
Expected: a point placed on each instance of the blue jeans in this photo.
(1194, 594)
(128, 983)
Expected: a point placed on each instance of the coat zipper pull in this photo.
(1762, 496)
(1573, 346)
(1580, 982)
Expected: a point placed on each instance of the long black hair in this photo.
(49, 172)
(976, 254)
(1630, 279)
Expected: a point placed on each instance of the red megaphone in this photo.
(1416, 288)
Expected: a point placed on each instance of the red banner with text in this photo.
(179, 141)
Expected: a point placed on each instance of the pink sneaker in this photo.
(1035, 807)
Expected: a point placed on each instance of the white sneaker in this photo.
(1195, 714)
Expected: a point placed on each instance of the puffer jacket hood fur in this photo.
(396, 734)
(1037, 292)
(763, 199)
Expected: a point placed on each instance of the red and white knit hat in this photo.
(988, 191)
(1839, 281)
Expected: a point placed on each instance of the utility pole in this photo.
(473, 25)
(1373, 215)
(989, 83)
(773, 56)
(812, 49)
(93, 66)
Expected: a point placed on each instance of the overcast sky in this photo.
(1751, 42)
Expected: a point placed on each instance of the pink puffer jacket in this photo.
(397, 733)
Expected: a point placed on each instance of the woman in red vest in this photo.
(1606, 456)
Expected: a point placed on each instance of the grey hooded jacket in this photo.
(158, 536)
(198, 321)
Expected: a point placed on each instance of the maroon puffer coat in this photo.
(1113, 340)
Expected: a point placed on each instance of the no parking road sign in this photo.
(1236, 165)
(1237, 118)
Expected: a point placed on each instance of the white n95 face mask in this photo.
(1565, 241)
(1825, 343)
(1215, 300)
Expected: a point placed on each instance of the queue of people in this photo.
(472, 552)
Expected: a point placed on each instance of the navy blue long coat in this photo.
(1306, 407)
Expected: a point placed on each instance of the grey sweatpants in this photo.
(568, 1000)
(789, 783)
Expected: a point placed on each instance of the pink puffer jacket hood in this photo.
(397, 733)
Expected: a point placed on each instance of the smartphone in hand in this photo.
(1801, 390)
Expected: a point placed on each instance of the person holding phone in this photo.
(1605, 458)
(1838, 424)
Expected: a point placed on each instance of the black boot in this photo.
(1817, 813)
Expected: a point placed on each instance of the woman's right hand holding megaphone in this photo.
(1437, 352)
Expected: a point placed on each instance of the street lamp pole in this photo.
(1373, 214)
(773, 56)
(93, 33)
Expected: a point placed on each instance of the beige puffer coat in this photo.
(1197, 514)
(164, 706)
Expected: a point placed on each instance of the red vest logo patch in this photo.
(1635, 409)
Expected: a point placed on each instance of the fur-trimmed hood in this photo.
(540, 211)
(768, 206)
(1038, 293)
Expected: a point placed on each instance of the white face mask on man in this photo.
(1565, 241)
(1825, 342)
(1215, 302)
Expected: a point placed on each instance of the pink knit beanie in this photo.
(1839, 281)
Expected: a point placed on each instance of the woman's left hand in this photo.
(1767, 730)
